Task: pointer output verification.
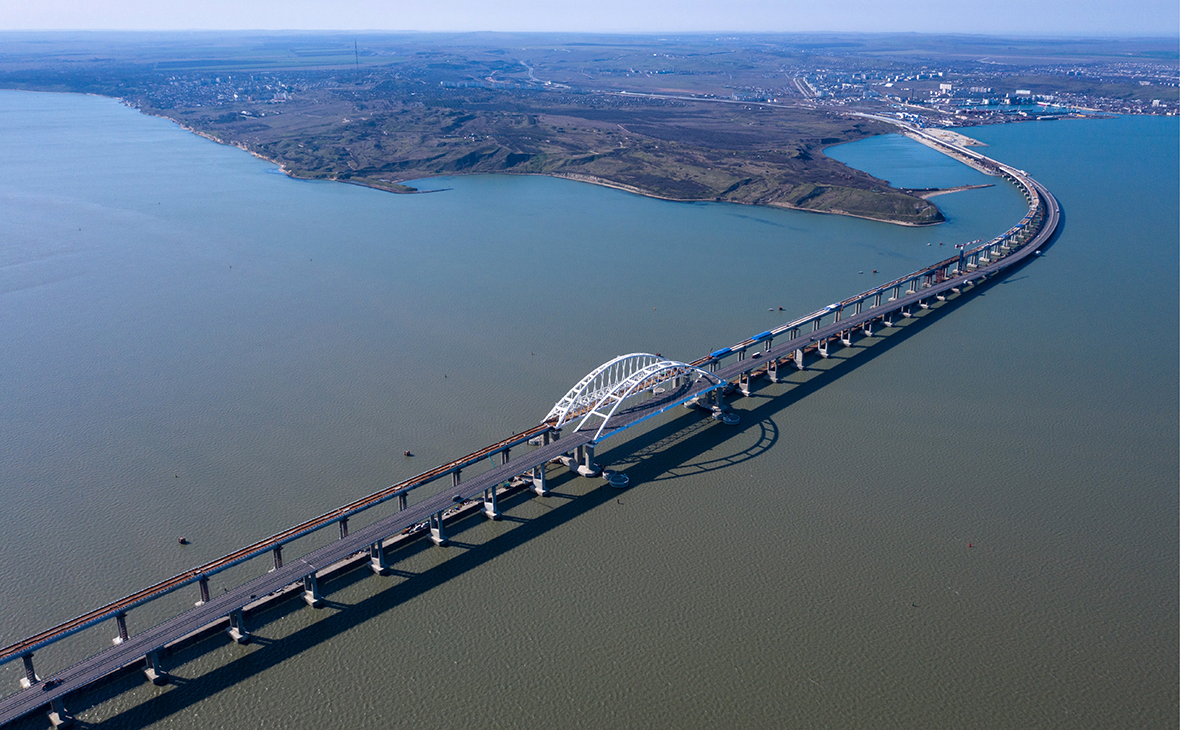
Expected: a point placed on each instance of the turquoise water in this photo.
(196, 345)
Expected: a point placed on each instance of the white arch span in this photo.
(605, 388)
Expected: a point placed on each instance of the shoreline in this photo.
(591, 179)
(927, 193)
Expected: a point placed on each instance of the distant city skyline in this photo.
(1157, 18)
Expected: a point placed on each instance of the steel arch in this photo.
(602, 390)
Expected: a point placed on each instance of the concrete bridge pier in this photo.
(343, 527)
(237, 627)
(540, 486)
(586, 466)
(278, 556)
(822, 347)
(846, 337)
(491, 508)
(403, 501)
(799, 359)
(121, 622)
(30, 677)
(311, 591)
(744, 384)
(887, 320)
(59, 716)
(203, 583)
(772, 370)
(153, 670)
(867, 328)
(377, 561)
(437, 535)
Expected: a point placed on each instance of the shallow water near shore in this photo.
(197, 346)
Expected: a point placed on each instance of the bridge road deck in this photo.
(136, 648)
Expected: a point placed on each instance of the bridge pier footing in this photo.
(311, 592)
(437, 535)
(491, 508)
(59, 716)
(799, 359)
(772, 370)
(540, 486)
(586, 466)
(153, 670)
(121, 622)
(377, 562)
(204, 585)
(30, 677)
(237, 627)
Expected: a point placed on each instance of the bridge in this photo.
(619, 394)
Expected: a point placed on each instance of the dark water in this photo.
(196, 345)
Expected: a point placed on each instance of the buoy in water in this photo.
(618, 480)
(407, 453)
(182, 541)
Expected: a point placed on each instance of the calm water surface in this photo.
(196, 345)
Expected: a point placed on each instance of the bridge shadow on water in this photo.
(665, 452)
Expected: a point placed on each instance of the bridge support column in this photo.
(152, 669)
(377, 561)
(887, 320)
(799, 359)
(278, 555)
(905, 312)
(30, 677)
(923, 304)
(403, 501)
(311, 591)
(814, 325)
(867, 328)
(490, 506)
(59, 716)
(343, 527)
(588, 468)
(121, 622)
(772, 370)
(877, 299)
(437, 535)
(237, 627)
(744, 384)
(822, 347)
(204, 585)
(456, 477)
(846, 337)
(540, 486)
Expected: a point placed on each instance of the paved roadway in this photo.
(138, 646)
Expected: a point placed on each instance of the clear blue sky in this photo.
(1043, 17)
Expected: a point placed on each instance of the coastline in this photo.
(576, 177)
